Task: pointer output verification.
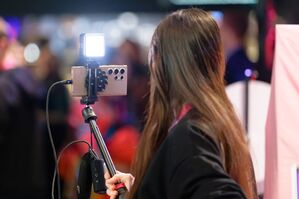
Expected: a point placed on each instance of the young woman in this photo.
(193, 145)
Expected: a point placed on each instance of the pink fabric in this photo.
(282, 128)
(185, 109)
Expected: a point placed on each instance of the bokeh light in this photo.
(31, 53)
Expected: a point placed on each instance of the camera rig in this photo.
(96, 81)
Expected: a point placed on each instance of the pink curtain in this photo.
(282, 128)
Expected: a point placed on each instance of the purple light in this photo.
(14, 27)
(248, 72)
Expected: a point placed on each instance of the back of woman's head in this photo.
(186, 56)
(187, 66)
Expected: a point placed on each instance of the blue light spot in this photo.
(248, 72)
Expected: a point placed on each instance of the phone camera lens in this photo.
(122, 71)
(116, 78)
(110, 71)
(116, 71)
(121, 77)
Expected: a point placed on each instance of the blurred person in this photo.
(193, 145)
(46, 71)
(233, 31)
(21, 168)
(122, 147)
(3, 48)
(124, 128)
(130, 53)
(11, 51)
(4, 42)
(24, 142)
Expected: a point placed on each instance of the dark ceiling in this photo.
(21, 7)
(25, 7)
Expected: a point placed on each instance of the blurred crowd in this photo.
(24, 142)
(27, 160)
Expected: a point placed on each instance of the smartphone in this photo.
(117, 77)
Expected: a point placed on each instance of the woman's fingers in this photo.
(110, 186)
(112, 193)
(107, 176)
(128, 180)
(125, 178)
(114, 180)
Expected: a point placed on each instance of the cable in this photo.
(50, 132)
(59, 157)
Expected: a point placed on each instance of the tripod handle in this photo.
(121, 188)
(90, 117)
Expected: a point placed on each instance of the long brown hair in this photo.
(187, 66)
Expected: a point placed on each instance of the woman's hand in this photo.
(125, 178)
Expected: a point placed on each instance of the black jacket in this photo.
(187, 166)
(21, 170)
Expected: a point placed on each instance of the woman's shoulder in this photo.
(186, 137)
(195, 165)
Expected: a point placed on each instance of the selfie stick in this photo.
(90, 118)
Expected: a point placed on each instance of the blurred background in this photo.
(39, 42)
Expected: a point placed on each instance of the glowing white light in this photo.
(128, 21)
(94, 45)
(31, 53)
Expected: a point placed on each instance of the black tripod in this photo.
(90, 118)
(96, 82)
